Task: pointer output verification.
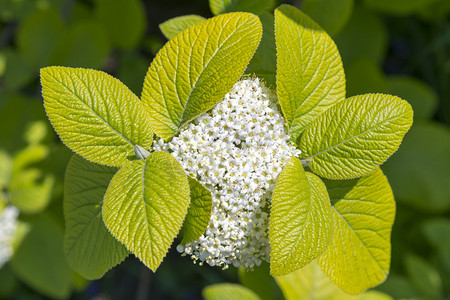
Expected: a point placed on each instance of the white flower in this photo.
(236, 151)
(8, 226)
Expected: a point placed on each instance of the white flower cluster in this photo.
(8, 225)
(236, 151)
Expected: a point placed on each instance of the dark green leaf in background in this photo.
(89, 247)
(39, 261)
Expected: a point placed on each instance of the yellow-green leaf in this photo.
(95, 114)
(199, 212)
(356, 135)
(359, 255)
(174, 26)
(301, 226)
(145, 205)
(310, 76)
(196, 68)
(89, 247)
(228, 291)
(311, 283)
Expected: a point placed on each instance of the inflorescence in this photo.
(236, 151)
(8, 226)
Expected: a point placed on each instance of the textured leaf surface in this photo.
(39, 261)
(301, 225)
(199, 212)
(228, 291)
(195, 69)
(226, 6)
(145, 205)
(310, 76)
(89, 247)
(356, 135)
(95, 114)
(311, 283)
(359, 255)
(174, 26)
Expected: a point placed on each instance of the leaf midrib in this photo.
(182, 120)
(355, 136)
(89, 108)
(359, 238)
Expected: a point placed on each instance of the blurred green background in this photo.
(399, 47)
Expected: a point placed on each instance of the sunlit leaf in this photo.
(145, 205)
(356, 135)
(228, 291)
(195, 69)
(359, 255)
(310, 76)
(199, 212)
(95, 114)
(301, 224)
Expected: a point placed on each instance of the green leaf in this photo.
(174, 26)
(359, 255)
(356, 135)
(123, 20)
(195, 69)
(365, 76)
(31, 191)
(228, 291)
(199, 212)
(39, 261)
(424, 276)
(18, 72)
(6, 169)
(331, 19)
(226, 6)
(310, 76)
(89, 247)
(260, 281)
(84, 45)
(398, 7)
(300, 227)
(311, 283)
(437, 231)
(371, 33)
(399, 287)
(421, 96)
(420, 172)
(95, 114)
(264, 62)
(373, 295)
(38, 36)
(145, 205)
